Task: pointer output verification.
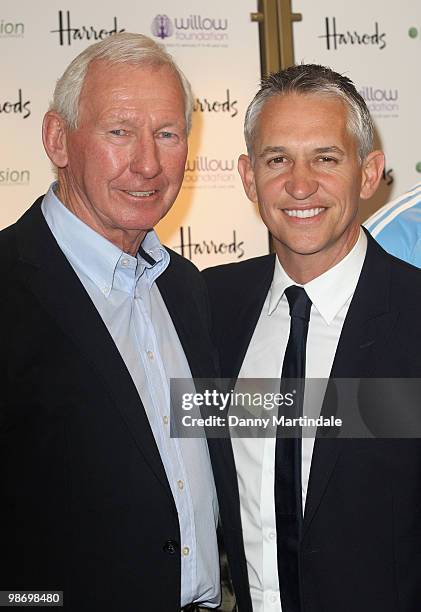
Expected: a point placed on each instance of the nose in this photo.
(145, 159)
(301, 183)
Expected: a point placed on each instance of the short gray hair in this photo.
(318, 80)
(121, 48)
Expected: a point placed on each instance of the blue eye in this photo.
(166, 134)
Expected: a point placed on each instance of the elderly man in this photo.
(97, 500)
(327, 524)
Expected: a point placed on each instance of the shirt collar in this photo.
(94, 255)
(330, 291)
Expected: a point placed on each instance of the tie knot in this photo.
(299, 302)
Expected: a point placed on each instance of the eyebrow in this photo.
(331, 149)
(270, 150)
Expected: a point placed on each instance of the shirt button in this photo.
(186, 551)
(125, 263)
(180, 484)
(105, 289)
(150, 355)
(170, 547)
(165, 419)
(272, 597)
(272, 535)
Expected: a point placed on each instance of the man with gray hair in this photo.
(319, 524)
(97, 500)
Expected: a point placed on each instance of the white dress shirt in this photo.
(330, 294)
(124, 291)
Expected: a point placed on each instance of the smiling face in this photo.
(307, 179)
(121, 169)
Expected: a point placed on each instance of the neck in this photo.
(303, 268)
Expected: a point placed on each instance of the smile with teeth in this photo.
(141, 194)
(304, 214)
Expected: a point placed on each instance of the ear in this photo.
(245, 168)
(372, 170)
(54, 138)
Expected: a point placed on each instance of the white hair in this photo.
(121, 48)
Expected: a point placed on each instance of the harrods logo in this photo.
(337, 38)
(16, 106)
(388, 176)
(67, 33)
(224, 105)
(192, 248)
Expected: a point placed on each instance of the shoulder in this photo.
(405, 278)
(234, 275)
(8, 248)
(397, 226)
(182, 281)
(183, 272)
(394, 211)
(181, 264)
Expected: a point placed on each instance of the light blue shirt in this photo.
(123, 290)
(397, 226)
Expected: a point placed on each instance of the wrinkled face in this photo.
(126, 159)
(306, 177)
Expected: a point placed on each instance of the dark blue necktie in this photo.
(288, 500)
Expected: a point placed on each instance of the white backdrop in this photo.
(214, 43)
(217, 46)
(378, 45)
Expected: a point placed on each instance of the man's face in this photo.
(307, 178)
(125, 161)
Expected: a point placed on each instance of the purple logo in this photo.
(162, 27)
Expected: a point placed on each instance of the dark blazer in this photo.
(361, 543)
(85, 504)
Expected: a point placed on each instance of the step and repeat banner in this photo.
(215, 44)
(377, 45)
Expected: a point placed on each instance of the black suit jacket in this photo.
(85, 504)
(361, 543)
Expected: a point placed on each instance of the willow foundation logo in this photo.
(382, 102)
(191, 30)
(68, 33)
(336, 37)
(10, 29)
(13, 177)
(210, 172)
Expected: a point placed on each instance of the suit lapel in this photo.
(52, 280)
(366, 329)
(256, 290)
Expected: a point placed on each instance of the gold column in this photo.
(275, 18)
